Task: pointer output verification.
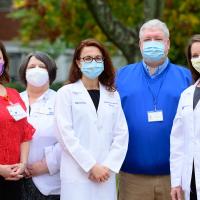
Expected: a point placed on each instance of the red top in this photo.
(12, 133)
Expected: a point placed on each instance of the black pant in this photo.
(193, 192)
(10, 190)
(31, 192)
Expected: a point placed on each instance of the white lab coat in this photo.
(185, 143)
(44, 144)
(89, 137)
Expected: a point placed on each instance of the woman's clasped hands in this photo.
(99, 173)
(12, 172)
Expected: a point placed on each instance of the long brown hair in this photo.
(5, 76)
(107, 77)
(193, 39)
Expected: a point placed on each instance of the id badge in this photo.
(155, 116)
(16, 111)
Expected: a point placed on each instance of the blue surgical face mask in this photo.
(153, 51)
(92, 70)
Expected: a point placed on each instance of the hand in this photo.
(6, 170)
(37, 168)
(17, 172)
(176, 193)
(99, 173)
(27, 174)
(14, 178)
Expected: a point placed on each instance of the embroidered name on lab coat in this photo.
(80, 102)
(110, 103)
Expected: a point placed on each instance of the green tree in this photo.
(71, 21)
(123, 37)
(66, 20)
(63, 23)
(183, 20)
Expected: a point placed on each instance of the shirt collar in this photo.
(44, 96)
(158, 70)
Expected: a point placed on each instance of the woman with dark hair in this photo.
(185, 135)
(15, 134)
(37, 72)
(4, 64)
(92, 128)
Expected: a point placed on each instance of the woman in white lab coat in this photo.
(185, 135)
(37, 72)
(92, 128)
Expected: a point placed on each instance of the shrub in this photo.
(20, 88)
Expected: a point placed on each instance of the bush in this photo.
(56, 86)
(20, 88)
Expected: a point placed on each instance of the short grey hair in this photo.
(154, 23)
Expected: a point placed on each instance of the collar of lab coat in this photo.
(104, 94)
(189, 93)
(190, 90)
(79, 84)
(24, 96)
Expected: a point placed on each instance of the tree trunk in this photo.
(153, 9)
(126, 39)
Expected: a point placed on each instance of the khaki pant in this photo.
(143, 187)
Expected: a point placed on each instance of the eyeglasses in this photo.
(89, 59)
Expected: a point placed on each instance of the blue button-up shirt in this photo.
(158, 70)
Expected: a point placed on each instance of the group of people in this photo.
(140, 122)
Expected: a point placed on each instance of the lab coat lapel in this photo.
(190, 95)
(102, 99)
(83, 91)
(196, 114)
(24, 96)
(188, 102)
(198, 104)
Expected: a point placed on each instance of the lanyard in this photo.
(155, 96)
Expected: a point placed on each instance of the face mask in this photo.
(92, 70)
(196, 63)
(1, 66)
(153, 51)
(37, 76)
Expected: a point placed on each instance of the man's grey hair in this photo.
(154, 23)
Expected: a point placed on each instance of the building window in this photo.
(5, 5)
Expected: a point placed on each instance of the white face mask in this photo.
(196, 63)
(37, 76)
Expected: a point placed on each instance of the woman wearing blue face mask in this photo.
(184, 141)
(92, 128)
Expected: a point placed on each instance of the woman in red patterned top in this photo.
(15, 134)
